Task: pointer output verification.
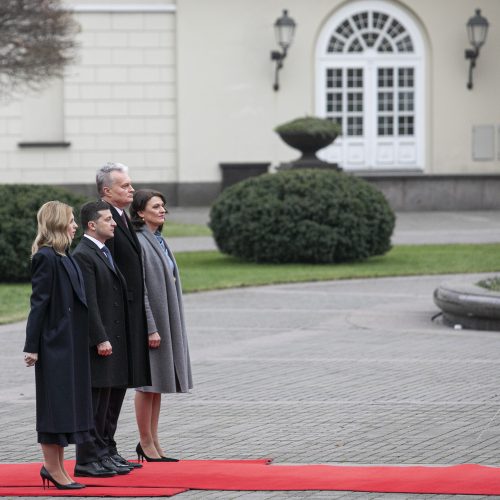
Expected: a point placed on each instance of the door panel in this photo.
(345, 103)
(375, 105)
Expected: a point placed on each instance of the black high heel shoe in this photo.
(167, 459)
(46, 477)
(141, 456)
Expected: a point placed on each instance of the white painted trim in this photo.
(123, 8)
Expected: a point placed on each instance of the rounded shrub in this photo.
(303, 215)
(311, 125)
(20, 204)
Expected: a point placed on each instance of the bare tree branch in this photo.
(36, 42)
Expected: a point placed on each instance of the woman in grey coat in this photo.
(169, 353)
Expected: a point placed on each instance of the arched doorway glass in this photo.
(370, 79)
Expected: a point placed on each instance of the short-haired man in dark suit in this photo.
(115, 188)
(108, 337)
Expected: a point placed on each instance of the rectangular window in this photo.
(405, 77)
(385, 101)
(385, 77)
(385, 125)
(396, 101)
(354, 101)
(405, 125)
(345, 99)
(333, 78)
(405, 101)
(355, 78)
(355, 125)
(334, 102)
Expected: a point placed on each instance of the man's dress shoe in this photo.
(118, 458)
(108, 463)
(93, 469)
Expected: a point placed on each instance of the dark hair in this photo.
(90, 212)
(141, 198)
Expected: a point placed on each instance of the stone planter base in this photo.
(309, 163)
(236, 172)
(470, 306)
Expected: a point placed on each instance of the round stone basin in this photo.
(469, 306)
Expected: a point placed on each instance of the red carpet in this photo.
(167, 479)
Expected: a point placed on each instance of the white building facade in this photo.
(175, 88)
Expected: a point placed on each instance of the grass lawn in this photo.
(212, 270)
(14, 302)
(173, 230)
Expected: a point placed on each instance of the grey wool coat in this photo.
(170, 363)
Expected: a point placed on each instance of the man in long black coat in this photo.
(106, 293)
(115, 187)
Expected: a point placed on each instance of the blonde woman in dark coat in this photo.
(169, 353)
(57, 343)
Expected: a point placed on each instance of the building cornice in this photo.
(123, 7)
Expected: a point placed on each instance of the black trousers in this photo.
(107, 403)
(114, 408)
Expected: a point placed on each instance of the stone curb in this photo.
(468, 305)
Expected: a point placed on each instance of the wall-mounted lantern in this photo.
(477, 29)
(284, 29)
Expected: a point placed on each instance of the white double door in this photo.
(378, 104)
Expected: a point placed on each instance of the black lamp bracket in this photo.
(471, 55)
(278, 57)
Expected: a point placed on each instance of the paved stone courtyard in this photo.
(350, 372)
(333, 372)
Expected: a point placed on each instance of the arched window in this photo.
(370, 79)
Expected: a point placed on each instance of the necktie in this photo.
(124, 219)
(107, 253)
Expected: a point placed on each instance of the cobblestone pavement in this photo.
(331, 372)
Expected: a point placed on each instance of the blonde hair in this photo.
(53, 219)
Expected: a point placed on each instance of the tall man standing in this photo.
(115, 188)
(106, 293)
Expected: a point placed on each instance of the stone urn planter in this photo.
(465, 305)
(308, 135)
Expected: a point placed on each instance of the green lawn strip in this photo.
(213, 270)
(14, 302)
(173, 230)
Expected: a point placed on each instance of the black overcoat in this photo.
(106, 293)
(126, 252)
(57, 330)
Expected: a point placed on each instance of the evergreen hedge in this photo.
(302, 215)
(18, 226)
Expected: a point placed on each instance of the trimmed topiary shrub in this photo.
(305, 215)
(20, 204)
(310, 125)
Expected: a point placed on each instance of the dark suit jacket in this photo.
(107, 301)
(57, 330)
(126, 252)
